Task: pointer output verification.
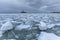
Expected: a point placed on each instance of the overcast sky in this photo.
(29, 5)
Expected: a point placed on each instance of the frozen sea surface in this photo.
(30, 26)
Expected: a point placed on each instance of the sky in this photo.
(29, 5)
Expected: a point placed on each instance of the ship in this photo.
(23, 11)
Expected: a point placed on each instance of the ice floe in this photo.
(48, 36)
(22, 26)
(44, 26)
(5, 27)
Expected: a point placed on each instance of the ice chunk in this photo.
(6, 26)
(48, 36)
(9, 39)
(7, 19)
(15, 22)
(50, 25)
(58, 24)
(22, 26)
(44, 26)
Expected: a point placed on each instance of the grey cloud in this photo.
(29, 5)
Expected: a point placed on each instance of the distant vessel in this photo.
(23, 11)
(55, 12)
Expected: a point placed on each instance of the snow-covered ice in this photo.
(48, 36)
(32, 24)
(22, 26)
(5, 27)
(44, 26)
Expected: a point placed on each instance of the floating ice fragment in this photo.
(22, 26)
(44, 26)
(5, 27)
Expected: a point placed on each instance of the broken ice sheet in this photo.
(28, 33)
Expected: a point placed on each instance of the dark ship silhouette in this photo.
(23, 11)
(55, 12)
